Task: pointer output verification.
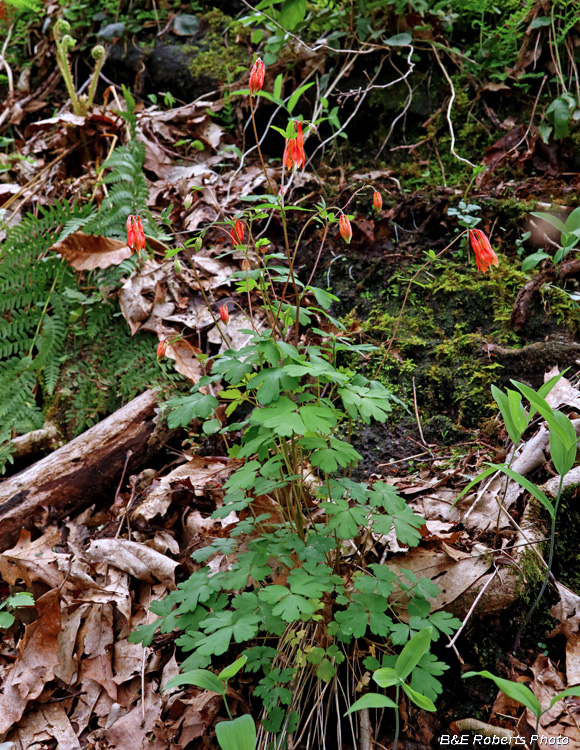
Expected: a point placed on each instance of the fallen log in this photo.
(74, 476)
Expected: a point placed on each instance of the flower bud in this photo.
(377, 200)
(224, 314)
(197, 245)
(135, 234)
(161, 348)
(345, 228)
(187, 202)
(177, 266)
(257, 76)
(237, 232)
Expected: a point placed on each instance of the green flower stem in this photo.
(396, 738)
(548, 569)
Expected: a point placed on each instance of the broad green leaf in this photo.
(484, 474)
(278, 85)
(526, 484)
(531, 261)
(293, 101)
(6, 619)
(371, 700)
(565, 693)
(326, 670)
(386, 677)
(228, 672)
(411, 655)
(514, 690)
(573, 220)
(503, 401)
(546, 411)
(399, 40)
(518, 413)
(239, 734)
(558, 113)
(292, 14)
(553, 220)
(420, 700)
(200, 678)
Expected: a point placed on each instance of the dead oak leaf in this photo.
(85, 252)
(36, 663)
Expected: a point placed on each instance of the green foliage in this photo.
(58, 328)
(287, 576)
(22, 599)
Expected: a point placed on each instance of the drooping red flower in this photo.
(161, 348)
(377, 200)
(257, 76)
(224, 314)
(294, 155)
(345, 228)
(484, 254)
(237, 232)
(135, 234)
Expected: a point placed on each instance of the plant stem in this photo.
(258, 145)
(396, 738)
(548, 569)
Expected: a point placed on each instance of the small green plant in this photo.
(65, 44)
(522, 694)
(563, 445)
(569, 238)
(396, 676)
(22, 599)
(235, 734)
(302, 591)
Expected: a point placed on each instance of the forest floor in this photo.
(103, 501)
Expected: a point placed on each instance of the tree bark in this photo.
(74, 476)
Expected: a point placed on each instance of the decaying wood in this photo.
(77, 474)
(528, 292)
(36, 441)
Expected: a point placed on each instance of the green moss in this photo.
(211, 58)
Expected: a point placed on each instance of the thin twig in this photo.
(449, 108)
(473, 606)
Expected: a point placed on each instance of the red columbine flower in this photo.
(257, 76)
(135, 234)
(294, 155)
(237, 232)
(484, 255)
(161, 348)
(345, 228)
(224, 314)
(377, 200)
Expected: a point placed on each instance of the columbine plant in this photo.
(304, 589)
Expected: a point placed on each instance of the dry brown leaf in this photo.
(137, 295)
(134, 558)
(200, 712)
(140, 727)
(567, 611)
(38, 657)
(67, 669)
(186, 360)
(49, 722)
(127, 660)
(85, 252)
(456, 579)
(33, 561)
(562, 719)
(200, 474)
